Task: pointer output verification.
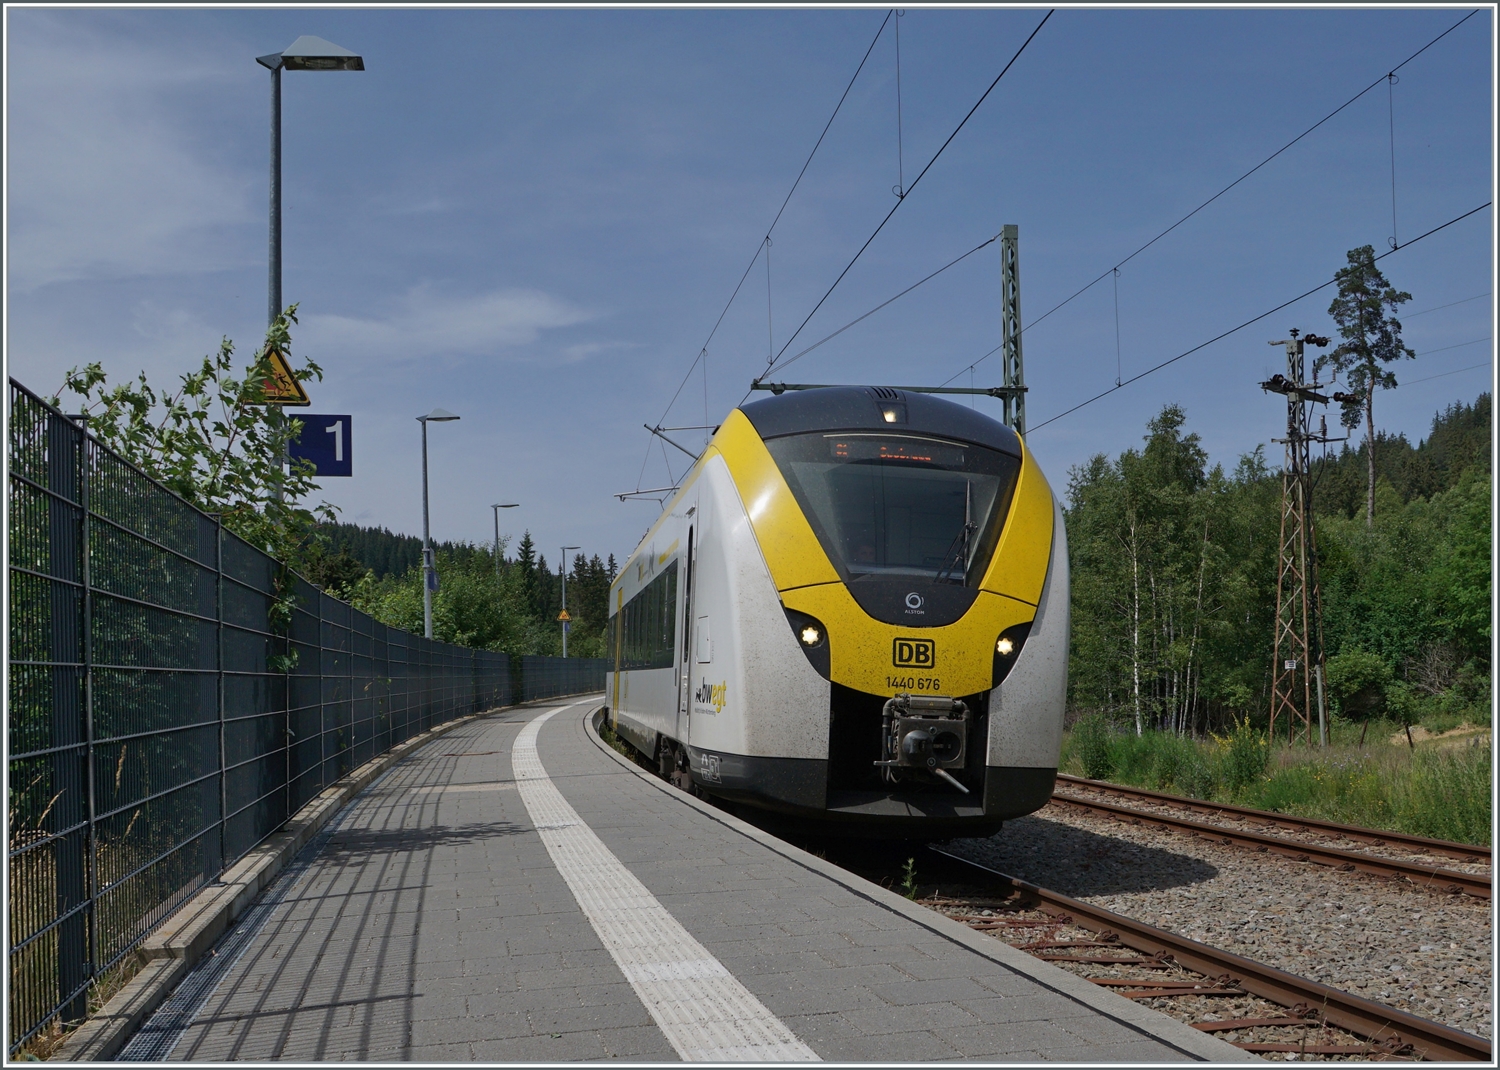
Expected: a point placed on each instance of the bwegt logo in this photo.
(712, 695)
(914, 653)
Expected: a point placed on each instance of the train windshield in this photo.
(900, 505)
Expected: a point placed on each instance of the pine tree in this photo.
(1371, 338)
(525, 568)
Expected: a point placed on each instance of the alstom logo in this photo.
(913, 653)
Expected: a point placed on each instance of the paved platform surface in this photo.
(512, 892)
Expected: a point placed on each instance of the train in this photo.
(852, 614)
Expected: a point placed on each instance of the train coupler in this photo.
(924, 733)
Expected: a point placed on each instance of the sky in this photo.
(535, 218)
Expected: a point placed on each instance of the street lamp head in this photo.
(512, 505)
(313, 54)
(438, 416)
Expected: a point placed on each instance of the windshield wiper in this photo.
(958, 551)
(957, 555)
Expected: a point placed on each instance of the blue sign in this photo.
(325, 441)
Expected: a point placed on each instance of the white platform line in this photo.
(705, 1013)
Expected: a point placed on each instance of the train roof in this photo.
(864, 408)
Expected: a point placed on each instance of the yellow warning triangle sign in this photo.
(282, 388)
(563, 616)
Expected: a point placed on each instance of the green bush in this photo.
(1134, 756)
(1358, 682)
(1199, 780)
(1091, 739)
(1246, 756)
(1171, 761)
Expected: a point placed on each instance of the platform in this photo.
(515, 891)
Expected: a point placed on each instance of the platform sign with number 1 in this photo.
(326, 442)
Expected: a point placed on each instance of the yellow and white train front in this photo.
(855, 608)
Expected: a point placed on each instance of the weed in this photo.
(610, 737)
(1361, 778)
(909, 879)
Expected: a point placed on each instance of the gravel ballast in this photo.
(1425, 952)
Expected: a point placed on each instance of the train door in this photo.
(684, 657)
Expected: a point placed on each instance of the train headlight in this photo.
(812, 637)
(889, 414)
(1008, 649)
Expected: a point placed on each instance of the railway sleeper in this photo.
(1348, 1014)
(1253, 1023)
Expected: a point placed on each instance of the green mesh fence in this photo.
(159, 725)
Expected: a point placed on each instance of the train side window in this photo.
(650, 624)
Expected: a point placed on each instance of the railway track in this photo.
(1438, 878)
(1384, 1032)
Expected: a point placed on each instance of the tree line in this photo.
(1174, 566)
(1175, 563)
(485, 599)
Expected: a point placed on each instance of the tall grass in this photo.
(1442, 792)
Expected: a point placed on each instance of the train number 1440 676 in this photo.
(913, 683)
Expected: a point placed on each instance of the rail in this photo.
(1428, 876)
(1468, 852)
(175, 695)
(1363, 1017)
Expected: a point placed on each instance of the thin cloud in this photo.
(583, 350)
(425, 322)
(110, 184)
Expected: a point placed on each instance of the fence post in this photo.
(92, 870)
(68, 654)
(219, 686)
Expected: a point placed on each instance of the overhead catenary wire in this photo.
(1410, 315)
(1105, 274)
(1455, 345)
(829, 337)
(703, 352)
(902, 200)
(1239, 327)
(1455, 371)
(1450, 304)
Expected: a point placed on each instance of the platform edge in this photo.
(1154, 1023)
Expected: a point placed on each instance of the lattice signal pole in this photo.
(1297, 668)
(1013, 374)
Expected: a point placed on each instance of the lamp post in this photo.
(566, 622)
(429, 571)
(304, 54)
(497, 509)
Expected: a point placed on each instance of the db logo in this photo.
(914, 653)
